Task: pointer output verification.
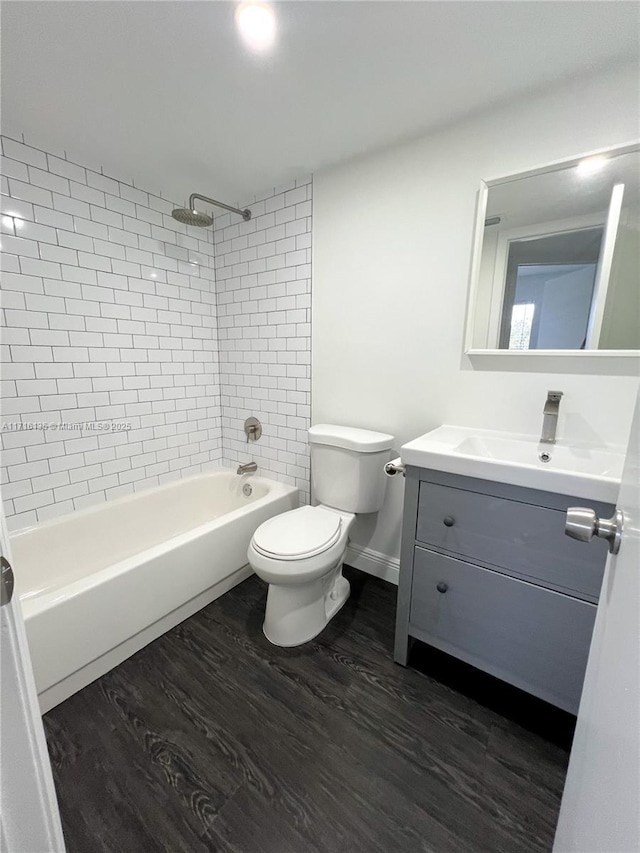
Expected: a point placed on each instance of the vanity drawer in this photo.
(531, 637)
(509, 534)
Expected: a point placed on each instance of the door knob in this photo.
(6, 582)
(583, 524)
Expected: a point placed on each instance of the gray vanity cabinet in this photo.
(487, 575)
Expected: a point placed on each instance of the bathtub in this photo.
(99, 584)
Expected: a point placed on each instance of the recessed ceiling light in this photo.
(256, 24)
(591, 165)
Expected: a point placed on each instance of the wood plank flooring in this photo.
(211, 739)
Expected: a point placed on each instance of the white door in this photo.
(29, 818)
(601, 803)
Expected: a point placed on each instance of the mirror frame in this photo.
(604, 362)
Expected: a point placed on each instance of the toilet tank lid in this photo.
(351, 438)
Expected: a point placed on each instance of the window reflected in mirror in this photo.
(559, 265)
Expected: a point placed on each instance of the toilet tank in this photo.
(347, 467)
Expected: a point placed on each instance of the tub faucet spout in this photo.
(550, 417)
(247, 468)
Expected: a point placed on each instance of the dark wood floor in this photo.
(210, 739)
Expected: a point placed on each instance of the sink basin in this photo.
(521, 460)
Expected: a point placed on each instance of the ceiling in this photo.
(165, 93)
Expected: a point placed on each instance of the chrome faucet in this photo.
(550, 417)
(247, 468)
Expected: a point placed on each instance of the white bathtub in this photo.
(99, 584)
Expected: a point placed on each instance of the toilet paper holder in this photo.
(394, 467)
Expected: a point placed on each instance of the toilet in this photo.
(300, 553)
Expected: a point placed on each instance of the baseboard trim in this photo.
(373, 563)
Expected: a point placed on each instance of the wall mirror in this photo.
(556, 266)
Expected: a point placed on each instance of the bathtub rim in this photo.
(124, 499)
(33, 603)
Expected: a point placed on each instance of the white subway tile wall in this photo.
(109, 315)
(263, 282)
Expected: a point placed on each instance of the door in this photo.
(29, 818)
(534, 270)
(601, 803)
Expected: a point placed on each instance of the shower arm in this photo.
(245, 214)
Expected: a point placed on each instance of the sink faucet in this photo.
(247, 468)
(550, 417)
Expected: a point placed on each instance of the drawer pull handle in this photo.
(449, 521)
(442, 586)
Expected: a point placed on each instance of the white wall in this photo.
(109, 315)
(391, 259)
(263, 280)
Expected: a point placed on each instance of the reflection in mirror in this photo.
(549, 290)
(559, 265)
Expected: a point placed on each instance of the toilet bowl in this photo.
(300, 553)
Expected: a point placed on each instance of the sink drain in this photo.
(544, 456)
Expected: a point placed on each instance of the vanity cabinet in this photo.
(488, 576)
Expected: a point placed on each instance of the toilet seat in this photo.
(298, 534)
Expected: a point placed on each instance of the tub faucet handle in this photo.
(252, 429)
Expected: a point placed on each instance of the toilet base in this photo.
(296, 614)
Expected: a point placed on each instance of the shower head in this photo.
(192, 217)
